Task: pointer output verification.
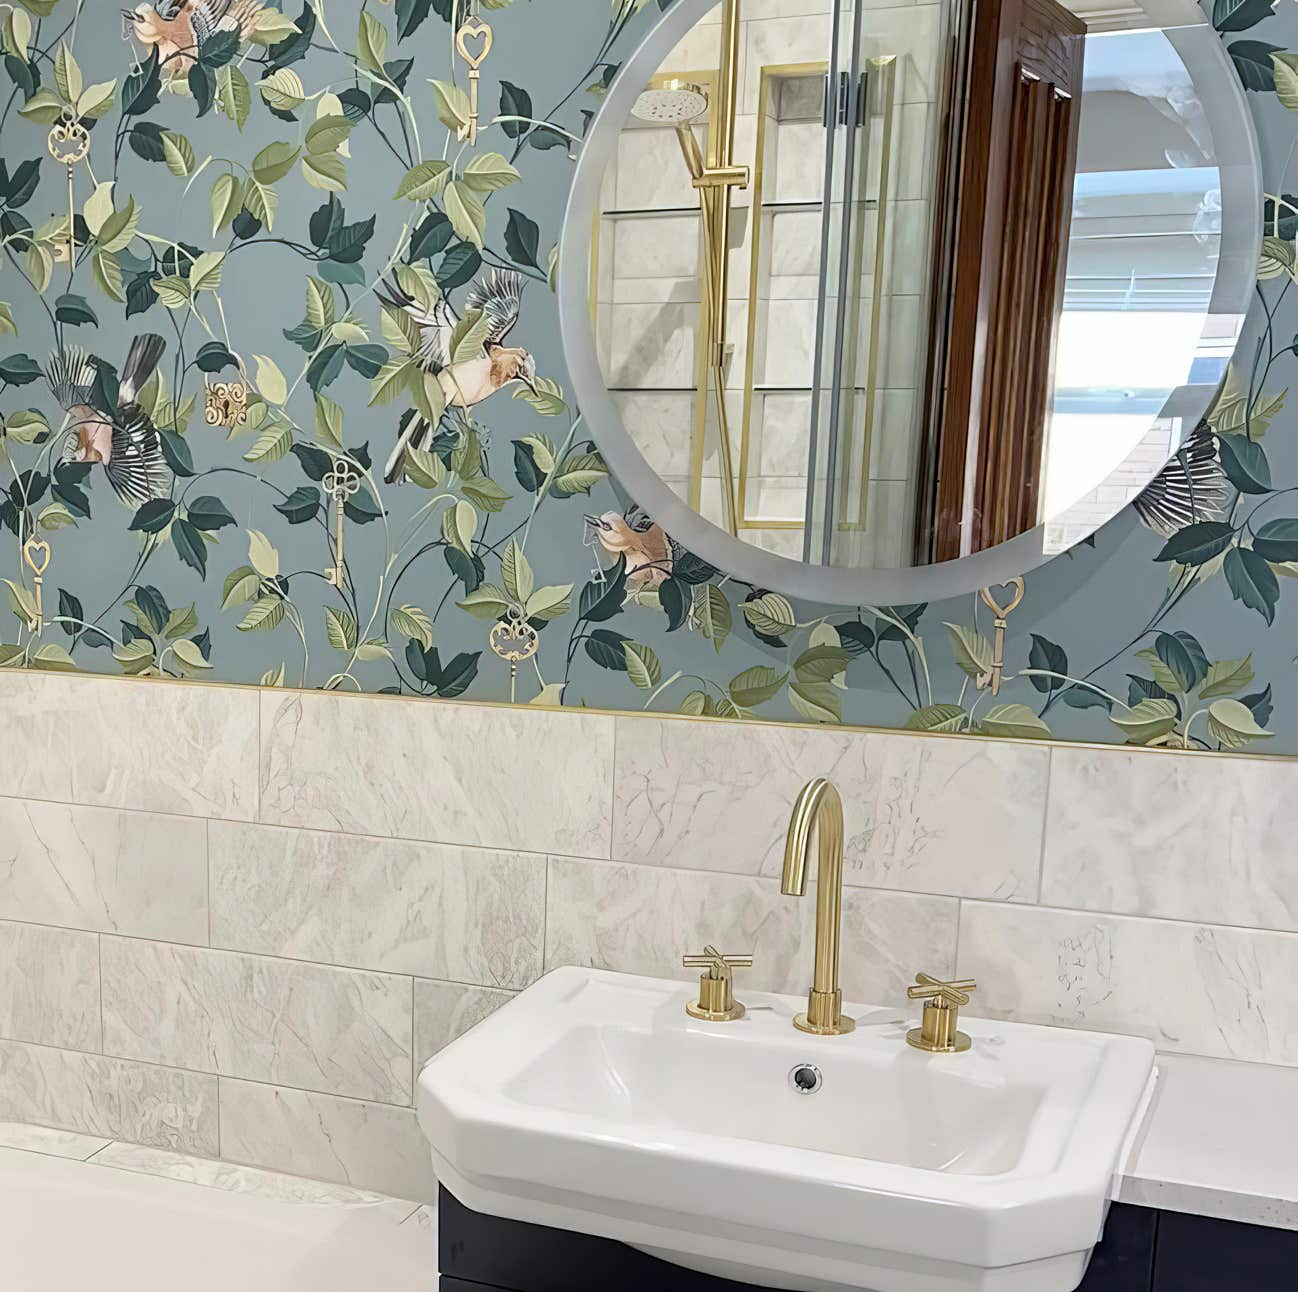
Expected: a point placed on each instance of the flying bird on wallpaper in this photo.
(465, 381)
(176, 28)
(1192, 487)
(127, 447)
(649, 553)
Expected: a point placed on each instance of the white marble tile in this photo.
(656, 247)
(155, 746)
(368, 1146)
(652, 345)
(97, 868)
(445, 1010)
(662, 426)
(1173, 835)
(467, 914)
(959, 817)
(455, 773)
(47, 1140)
(104, 1096)
(651, 171)
(639, 919)
(1192, 988)
(335, 1030)
(250, 1180)
(49, 986)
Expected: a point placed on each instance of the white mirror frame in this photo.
(1241, 236)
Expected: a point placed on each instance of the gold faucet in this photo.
(819, 808)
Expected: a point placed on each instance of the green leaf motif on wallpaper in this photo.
(289, 211)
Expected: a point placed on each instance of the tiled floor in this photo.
(121, 1218)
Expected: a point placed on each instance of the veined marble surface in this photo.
(1219, 1140)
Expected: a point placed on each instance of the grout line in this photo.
(1045, 829)
(381, 1104)
(612, 792)
(959, 922)
(207, 842)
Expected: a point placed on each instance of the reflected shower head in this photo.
(676, 103)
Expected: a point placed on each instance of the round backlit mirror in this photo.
(873, 303)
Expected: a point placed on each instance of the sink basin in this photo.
(592, 1102)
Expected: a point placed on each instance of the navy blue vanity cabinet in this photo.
(1196, 1254)
(1143, 1251)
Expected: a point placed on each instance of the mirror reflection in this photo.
(882, 287)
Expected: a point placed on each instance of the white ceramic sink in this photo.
(592, 1102)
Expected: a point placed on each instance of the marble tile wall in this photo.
(249, 954)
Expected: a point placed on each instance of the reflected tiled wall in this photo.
(235, 923)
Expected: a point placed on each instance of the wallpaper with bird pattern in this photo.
(284, 402)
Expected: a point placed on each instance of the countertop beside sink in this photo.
(1219, 1140)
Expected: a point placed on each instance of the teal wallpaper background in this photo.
(282, 198)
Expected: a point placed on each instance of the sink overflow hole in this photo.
(806, 1078)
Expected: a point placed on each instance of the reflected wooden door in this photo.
(1008, 176)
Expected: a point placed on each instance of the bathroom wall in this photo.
(1107, 616)
(235, 922)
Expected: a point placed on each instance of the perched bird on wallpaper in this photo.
(469, 380)
(128, 447)
(649, 553)
(176, 28)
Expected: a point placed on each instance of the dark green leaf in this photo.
(1047, 655)
(209, 513)
(1277, 540)
(1078, 697)
(26, 76)
(522, 239)
(1259, 703)
(202, 85)
(675, 598)
(22, 184)
(526, 472)
(214, 356)
(458, 266)
(190, 546)
(432, 235)
(458, 675)
(601, 601)
(140, 92)
(1240, 15)
(1252, 581)
(514, 102)
(468, 569)
(219, 48)
(301, 505)
(1197, 654)
(361, 508)
(1252, 59)
(315, 462)
(153, 605)
(410, 13)
(1244, 462)
(325, 367)
(146, 141)
(153, 516)
(692, 569)
(19, 369)
(368, 360)
(1177, 660)
(604, 646)
(75, 310)
(70, 608)
(1197, 543)
(325, 221)
(176, 451)
(294, 47)
(855, 637)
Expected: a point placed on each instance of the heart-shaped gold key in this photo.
(473, 29)
(994, 606)
(37, 554)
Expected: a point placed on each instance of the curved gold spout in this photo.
(819, 808)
